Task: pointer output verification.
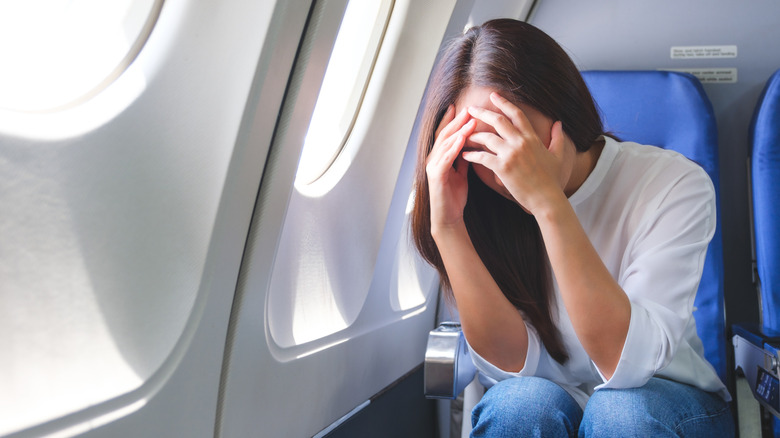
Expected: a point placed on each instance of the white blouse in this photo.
(650, 214)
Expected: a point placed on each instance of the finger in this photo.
(442, 148)
(453, 125)
(451, 147)
(480, 157)
(445, 138)
(490, 142)
(515, 114)
(446, 119)
(456, 146)
(448, 158)
(461, 166)
(501, 123)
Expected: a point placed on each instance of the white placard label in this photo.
(716, 75)
(703, 52)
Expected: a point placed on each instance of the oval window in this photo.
(345, 82)
(58, 53)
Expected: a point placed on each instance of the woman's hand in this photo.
(531, 172)
(447, 170)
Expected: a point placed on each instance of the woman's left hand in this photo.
(533, 173)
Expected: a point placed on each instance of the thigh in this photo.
(659, 408)
(526, 406)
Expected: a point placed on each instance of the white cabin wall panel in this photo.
(187, 403)
(116, 232)
(297, 390)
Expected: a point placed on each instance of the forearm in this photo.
(598, 307)
(492, 325)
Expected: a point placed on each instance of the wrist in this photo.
(441, 232)
(553, 209)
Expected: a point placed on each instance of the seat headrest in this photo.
(765, 126)
(660, 108)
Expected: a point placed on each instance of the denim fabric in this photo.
(536, 407)
(527, 407)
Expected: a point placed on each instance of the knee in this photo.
(511, 397)
(660, 408)
(526, 406)
(612, 412)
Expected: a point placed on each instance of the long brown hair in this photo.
(525, 66)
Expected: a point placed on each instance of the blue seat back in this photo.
(765, 165)
(671, 110)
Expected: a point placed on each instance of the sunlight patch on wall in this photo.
(315, 312)
(411, 276)
(56, 53)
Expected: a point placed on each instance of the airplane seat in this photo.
(665, 109)
(765, 165)
(756, 348)
(672, 111)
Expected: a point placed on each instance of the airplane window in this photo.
(58, 53)
(342, 89)
(321, 279)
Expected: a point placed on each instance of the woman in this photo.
(573, 258)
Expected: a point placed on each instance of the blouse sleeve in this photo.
(532, 357)
(660, 273)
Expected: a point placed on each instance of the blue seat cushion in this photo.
(765, 164)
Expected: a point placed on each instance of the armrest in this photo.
(756, 356)
(448, 367)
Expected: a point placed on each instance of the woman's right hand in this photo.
(447, 170)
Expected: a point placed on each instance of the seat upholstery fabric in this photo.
(765, 165)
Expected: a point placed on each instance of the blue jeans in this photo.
(537, 407)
